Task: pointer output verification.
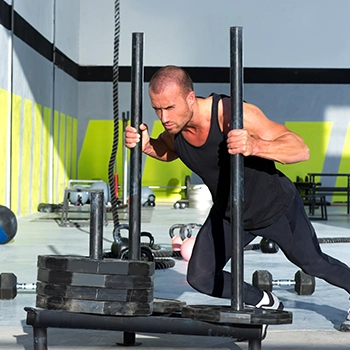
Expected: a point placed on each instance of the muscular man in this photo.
(197, 130)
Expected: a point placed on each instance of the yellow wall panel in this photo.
(62, 176)
(68, 162)
(96, 151)
(164, 173)
(74, 148)
(46, 155)
(26, 157)
(15, 152)
(37, 155)
(55, 157)
(4, 143)
(316, 135)
(344, 167)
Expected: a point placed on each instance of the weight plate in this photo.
(105, 266)
(304, 283)
(95, 280)
(95, 307)
(225, 314)
(167, 306)
(8, 286)
(262, 279)
(92, 293)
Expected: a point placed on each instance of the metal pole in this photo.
(125, 160)
(96, 224)
(136, 152)
(237, 170)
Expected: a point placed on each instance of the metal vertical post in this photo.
(125, 160)
(96, 224)
(237, 170)
(136, 152)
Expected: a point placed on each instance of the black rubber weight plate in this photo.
(105, 266)
(95, 280)
(95, 307)
(166, 306)
(224, 314)
(93, 293)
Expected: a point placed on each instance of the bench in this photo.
(311, 199)
(314, 201)
(331, 190)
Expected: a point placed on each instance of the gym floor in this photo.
(316, 318)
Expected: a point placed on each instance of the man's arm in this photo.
(264, 138)
(161, 148)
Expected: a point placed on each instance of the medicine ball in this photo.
(101, 185)
(8, 225)
(268, 246)
(79, 196)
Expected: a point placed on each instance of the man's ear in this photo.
(191, 98)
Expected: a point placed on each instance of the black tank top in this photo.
(267, 192)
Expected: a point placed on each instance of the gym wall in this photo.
(38, 145)
(56, 84)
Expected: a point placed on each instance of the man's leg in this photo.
(296, 237)
(211, 252)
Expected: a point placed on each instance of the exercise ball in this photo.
(8, 225)
(187, 247)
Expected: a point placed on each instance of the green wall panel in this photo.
(4, 143)
(344, 167)
(316, 135)
(96, 151)
(157, 173)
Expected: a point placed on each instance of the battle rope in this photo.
(256, 246)
(112, 161)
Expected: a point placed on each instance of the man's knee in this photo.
(199, 283)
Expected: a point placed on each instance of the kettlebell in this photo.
(177, 240)
(120, 245)
(187, 245)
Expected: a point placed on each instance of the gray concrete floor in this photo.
(316, 318)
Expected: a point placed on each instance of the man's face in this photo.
(173, 108)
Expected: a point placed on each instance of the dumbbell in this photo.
(303, 284)
(9, 286)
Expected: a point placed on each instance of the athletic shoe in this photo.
(270, 302)
(345, 326)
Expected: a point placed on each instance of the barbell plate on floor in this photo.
(304, 283)
(95, 307)
(95, 280)
(225, 314)
(167, 306)
(92, 293)
(87, 265)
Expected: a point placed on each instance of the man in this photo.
(197, 130)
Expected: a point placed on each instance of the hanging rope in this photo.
(112, 161)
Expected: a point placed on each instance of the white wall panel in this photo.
(32, 74)
(308, 33)
(5, 57)
(96, 32)
(67, 28)
(39, 13)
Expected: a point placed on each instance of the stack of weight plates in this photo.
(83, 285)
